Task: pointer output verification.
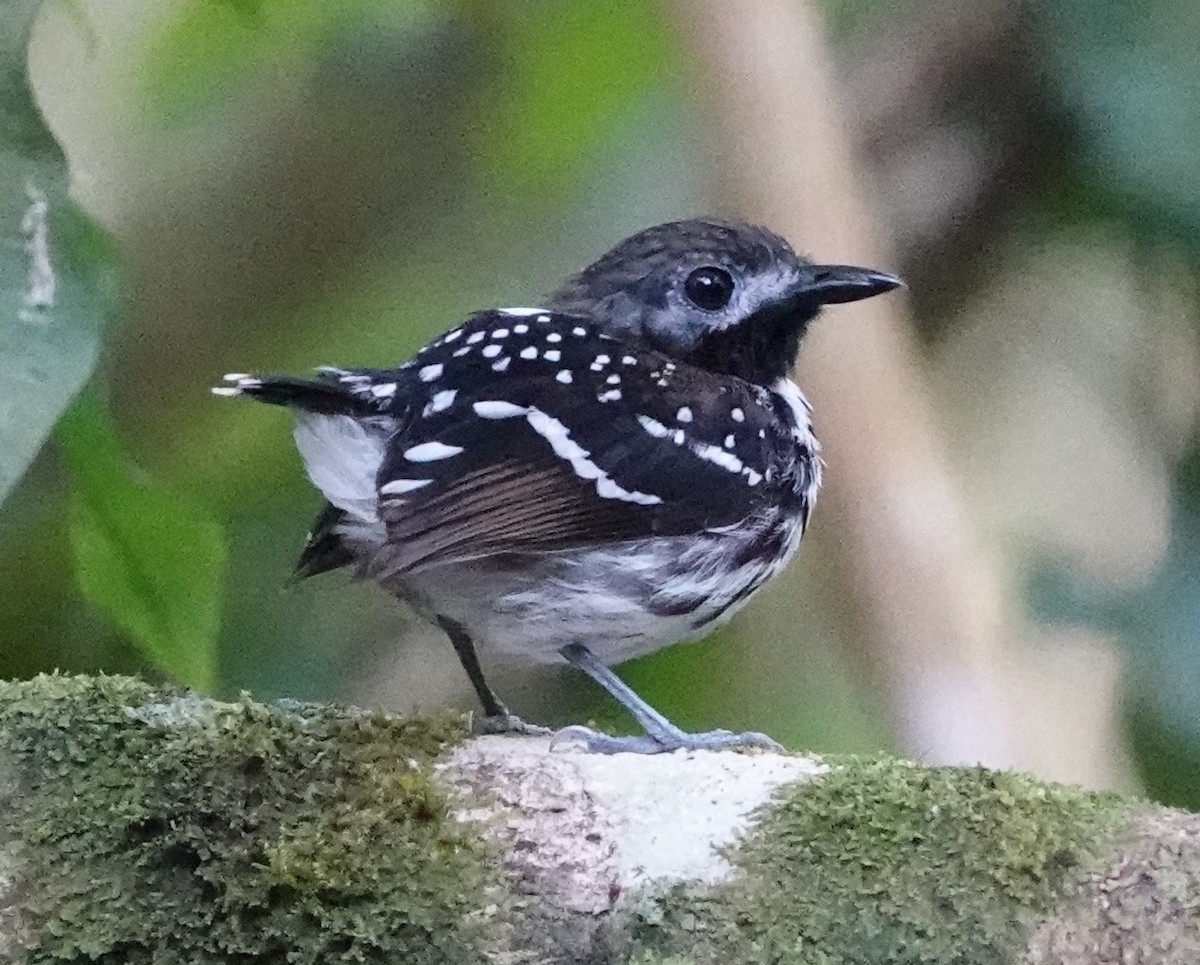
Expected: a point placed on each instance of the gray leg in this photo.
(661, 735)
(497, 719)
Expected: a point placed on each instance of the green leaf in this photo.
(146, 556)
(55, 280)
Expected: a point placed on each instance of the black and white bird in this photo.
(592, 480)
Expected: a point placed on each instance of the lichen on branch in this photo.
(141, 820)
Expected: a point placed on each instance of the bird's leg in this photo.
(497, 718)
(661, 735)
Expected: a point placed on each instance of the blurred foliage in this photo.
(313, 182)
(1161, 626)
(1168, 760)
(566, 78)
(209, 52)
(1129, 75)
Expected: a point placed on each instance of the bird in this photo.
(591, 480)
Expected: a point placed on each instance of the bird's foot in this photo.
(506, 723)
(595, 742)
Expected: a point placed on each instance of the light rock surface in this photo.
(585, 828)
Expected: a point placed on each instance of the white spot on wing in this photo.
(612, 395)
(452, 336)
(384, 390)
(501, 364)
(475, 337)
(500, 333)
(430, 452)
(397, 486)
(498, 409)
(718, 457)
(737, 415)
(552, 355)
(430, 372)
(460, 352)
(654, 427)
(553, 337)
(521, 312)
(564, 377)
(440, 402)
(684, 414)
(529, 352)
(491, 351)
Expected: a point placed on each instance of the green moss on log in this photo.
(151, 826)
(891, 862)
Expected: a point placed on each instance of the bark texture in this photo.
(142, 825)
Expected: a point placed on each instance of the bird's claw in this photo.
(595, 742)
(506, 723)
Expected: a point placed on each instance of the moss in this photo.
(159, 827)
(891, 862)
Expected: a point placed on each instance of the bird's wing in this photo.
(530, 431)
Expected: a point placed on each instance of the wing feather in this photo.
(538, 433)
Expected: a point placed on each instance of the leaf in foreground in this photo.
(55, 283)
(146, 556)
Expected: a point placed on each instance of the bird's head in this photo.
(728, 297)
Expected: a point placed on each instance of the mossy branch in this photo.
(149, 826)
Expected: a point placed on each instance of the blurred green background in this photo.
(286, 183)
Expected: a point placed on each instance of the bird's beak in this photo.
(833, 284)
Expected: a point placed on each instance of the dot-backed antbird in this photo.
(592, 480)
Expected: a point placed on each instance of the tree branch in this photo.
(151, 826)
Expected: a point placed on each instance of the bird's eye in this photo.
(709, 288)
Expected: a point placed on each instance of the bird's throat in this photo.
(762, 349)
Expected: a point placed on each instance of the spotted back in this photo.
(529, 431)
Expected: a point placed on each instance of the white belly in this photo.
(620, 603)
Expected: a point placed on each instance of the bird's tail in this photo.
(323, 397)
